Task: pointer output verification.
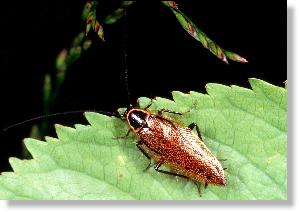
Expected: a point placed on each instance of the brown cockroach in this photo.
(174, 145)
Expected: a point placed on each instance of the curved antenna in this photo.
(125, 58)
(59, 114)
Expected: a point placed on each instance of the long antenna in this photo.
(59, 114)
(125, 57)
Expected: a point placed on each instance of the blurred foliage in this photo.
(199, 35)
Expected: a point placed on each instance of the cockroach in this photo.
(169, 143)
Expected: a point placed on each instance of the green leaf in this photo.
(246, 127)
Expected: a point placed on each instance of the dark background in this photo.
(162, 57)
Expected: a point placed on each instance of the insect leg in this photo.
(192, 125)
(206, 185)
(198, 186)
(160, 112)
(125, 136)
(157, 166)
(138, 144)
(150, 104)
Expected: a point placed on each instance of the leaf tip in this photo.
(30, 141)
(13, 161)
(58, 126)
(253, 81)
